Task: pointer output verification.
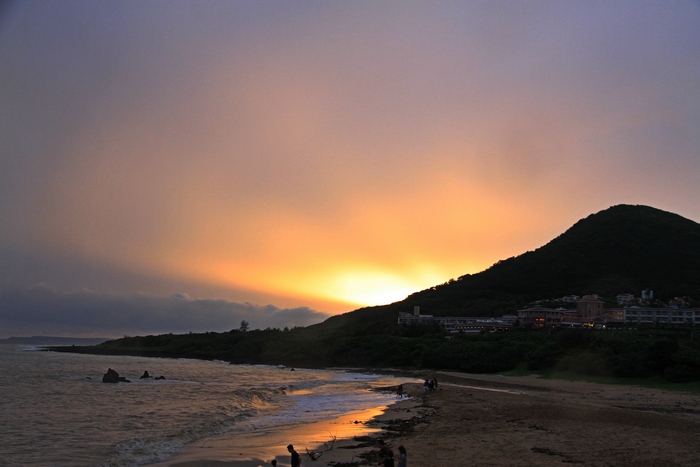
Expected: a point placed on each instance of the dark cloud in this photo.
(42, 310)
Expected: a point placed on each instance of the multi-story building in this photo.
(415, 318)
(454, 324)
(643, 315)
(590, 306)
(589, 313)
(476, 324)
(541, 317)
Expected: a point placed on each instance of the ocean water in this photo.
(56, 411)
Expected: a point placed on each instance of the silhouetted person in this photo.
(388, 460)
(383, 452)
(403, 460)
(296, 460)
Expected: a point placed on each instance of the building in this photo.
(572, 319)
(644, 315)
(589, 313)
(457, 324)
(415, 318)
(541, 317)
(615, 315)
(680, 302)
(590, 306)
(624, 298)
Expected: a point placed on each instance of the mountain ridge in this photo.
(622, 249)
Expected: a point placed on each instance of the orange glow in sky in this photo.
(330, 155)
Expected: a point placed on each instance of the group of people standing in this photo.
(430, 385)
(386, 456)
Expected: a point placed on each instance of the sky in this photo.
(177, 166)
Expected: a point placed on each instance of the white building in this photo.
(624, 298)
(643, 315)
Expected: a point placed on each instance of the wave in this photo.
(245, 404)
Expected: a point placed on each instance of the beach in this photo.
(58, 412)
(497, 420)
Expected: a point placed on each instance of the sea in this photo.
(56, 411)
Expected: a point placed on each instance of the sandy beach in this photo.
(492, 420)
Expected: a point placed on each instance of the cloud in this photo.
(43, 310)
(293, 153)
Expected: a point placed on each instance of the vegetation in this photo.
(621, 249)
(669, 354)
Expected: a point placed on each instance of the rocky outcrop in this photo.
(145, 375)
(113, 377)
(110, 377)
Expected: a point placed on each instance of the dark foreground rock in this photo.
(113, 377)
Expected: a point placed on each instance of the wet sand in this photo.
(486, 420)
(259, 449)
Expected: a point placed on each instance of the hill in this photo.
(618, 250)
(623, 249)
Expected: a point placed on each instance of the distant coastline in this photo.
(53, 340)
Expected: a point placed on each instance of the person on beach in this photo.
(296, 460)
(383, 450)
(402, 457)
(274, 463)
(399, 391)
(388, 461)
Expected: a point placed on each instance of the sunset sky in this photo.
(174, 166)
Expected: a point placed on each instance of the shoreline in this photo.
(490, 420)
(337, 441)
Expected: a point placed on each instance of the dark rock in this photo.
(160, 377)
(110, 377)
(145, 375)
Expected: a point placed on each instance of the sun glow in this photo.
(372, 288)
